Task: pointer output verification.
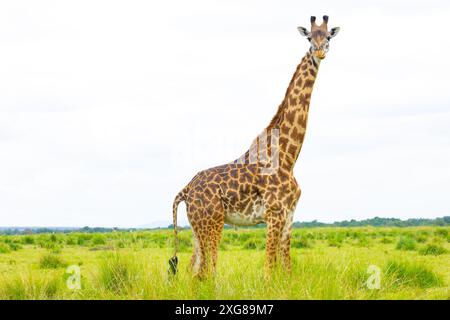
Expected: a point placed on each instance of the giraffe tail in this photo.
(173, 262)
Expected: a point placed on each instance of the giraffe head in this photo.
(319, 37)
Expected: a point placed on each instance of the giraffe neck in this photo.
(292, 115)
(289, 121)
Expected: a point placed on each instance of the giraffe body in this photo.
(251, 190)
(237, 195)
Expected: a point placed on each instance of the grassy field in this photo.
(328, 263)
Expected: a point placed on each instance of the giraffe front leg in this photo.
(275, 223)
(285, 247)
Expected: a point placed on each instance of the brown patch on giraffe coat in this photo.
(297, 135)
(308, 83)
(284, 189)
(302, 119)
(242, 178)
(290, 116)
(283, 141)
(287, 166)
(303, 100)
(233, 184)
(283, 177)
(292, 149)
(208, 193)
(292, 101)
(274, 180)
(285, 129)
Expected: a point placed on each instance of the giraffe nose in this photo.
(320, 54)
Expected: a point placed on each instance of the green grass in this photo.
(407, 273)
(406, 243)
(432, 249)
(51, 261)
(327, 263)
(31, 287)
(117, 272)
(4, 248)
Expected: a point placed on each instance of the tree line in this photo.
(375, 222)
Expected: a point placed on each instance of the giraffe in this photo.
(259, 186)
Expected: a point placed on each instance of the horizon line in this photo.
(170, 223)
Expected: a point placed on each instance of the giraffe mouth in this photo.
(320, 54)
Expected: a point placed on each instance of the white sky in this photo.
(109, 108)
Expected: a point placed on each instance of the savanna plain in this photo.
(327, 263)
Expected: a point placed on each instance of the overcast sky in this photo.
(109, 108)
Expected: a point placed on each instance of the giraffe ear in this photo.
(304, 32)
(334, 32)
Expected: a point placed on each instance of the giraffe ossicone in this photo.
(260, 185)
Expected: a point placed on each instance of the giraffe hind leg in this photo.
(208, 250)
(207, 226)
(195, 260)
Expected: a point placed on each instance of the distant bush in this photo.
(4, 248)
(335, 240)
(386, 240)
(50, 245)
(441, 232)
(302, 242)
(98, 240)
(70, 241)
(310, 235)
(432, 250)
(252, 243)
(51, 261)
(406, 243)
(421, 238)
(14, 246)
(121, 244)
(244, 237)
(364, 242)
(411, 274)
(82, 238)
(28, 240)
